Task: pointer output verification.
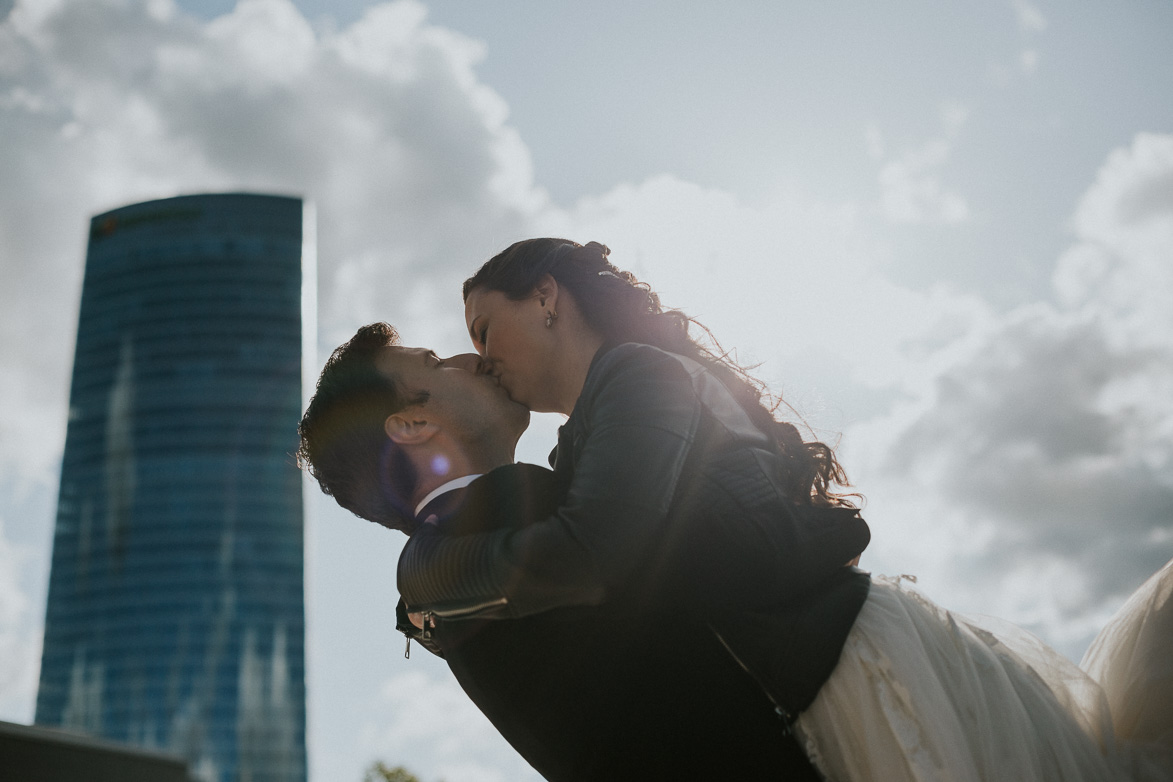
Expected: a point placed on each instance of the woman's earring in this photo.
(550, 318)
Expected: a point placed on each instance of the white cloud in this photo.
(20, 641)
(383, 124)
(1029, 60)
(790, 282)
(874, 140)
(910, 186)
(1120, 267)
(1049, 438)
(1030, 18)
(1031, 22)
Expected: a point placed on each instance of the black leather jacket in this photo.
(674, 505)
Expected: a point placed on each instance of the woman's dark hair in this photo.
(620, 309)
(343, 442)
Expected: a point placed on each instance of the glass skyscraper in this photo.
(175, 617)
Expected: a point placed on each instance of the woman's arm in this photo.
(641, 417)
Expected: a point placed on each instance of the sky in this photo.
(943, 231)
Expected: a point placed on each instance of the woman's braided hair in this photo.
(620, 308)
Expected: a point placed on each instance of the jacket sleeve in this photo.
(641, 418)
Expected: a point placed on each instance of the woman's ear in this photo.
(546, 292)
(410, 427)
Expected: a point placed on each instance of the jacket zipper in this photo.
(455, 613)
(786, 716)
(429, 618)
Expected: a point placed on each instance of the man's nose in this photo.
(470, 362)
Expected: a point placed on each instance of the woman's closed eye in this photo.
(477, 331)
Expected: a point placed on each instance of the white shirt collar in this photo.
(452, 485)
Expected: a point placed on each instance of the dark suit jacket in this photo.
(608, 692)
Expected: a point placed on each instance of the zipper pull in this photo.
(407, 651)
(787, 719)
(428, 625)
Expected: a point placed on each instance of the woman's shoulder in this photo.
(634, 356)
(638, 379)
(631, 376)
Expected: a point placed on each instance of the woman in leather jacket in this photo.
(686, 495)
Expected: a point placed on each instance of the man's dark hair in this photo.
(343, 441)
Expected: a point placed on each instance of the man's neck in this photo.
(432, 481)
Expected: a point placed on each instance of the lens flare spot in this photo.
(440, 465)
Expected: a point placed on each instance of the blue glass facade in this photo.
(175, 616)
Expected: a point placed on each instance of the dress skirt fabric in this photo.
(924, 694)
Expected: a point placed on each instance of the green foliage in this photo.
(381, 772)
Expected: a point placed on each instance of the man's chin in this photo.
(518, 417)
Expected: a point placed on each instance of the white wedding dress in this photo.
(924, 694)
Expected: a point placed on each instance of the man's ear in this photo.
(410, 427)
(546, 292)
